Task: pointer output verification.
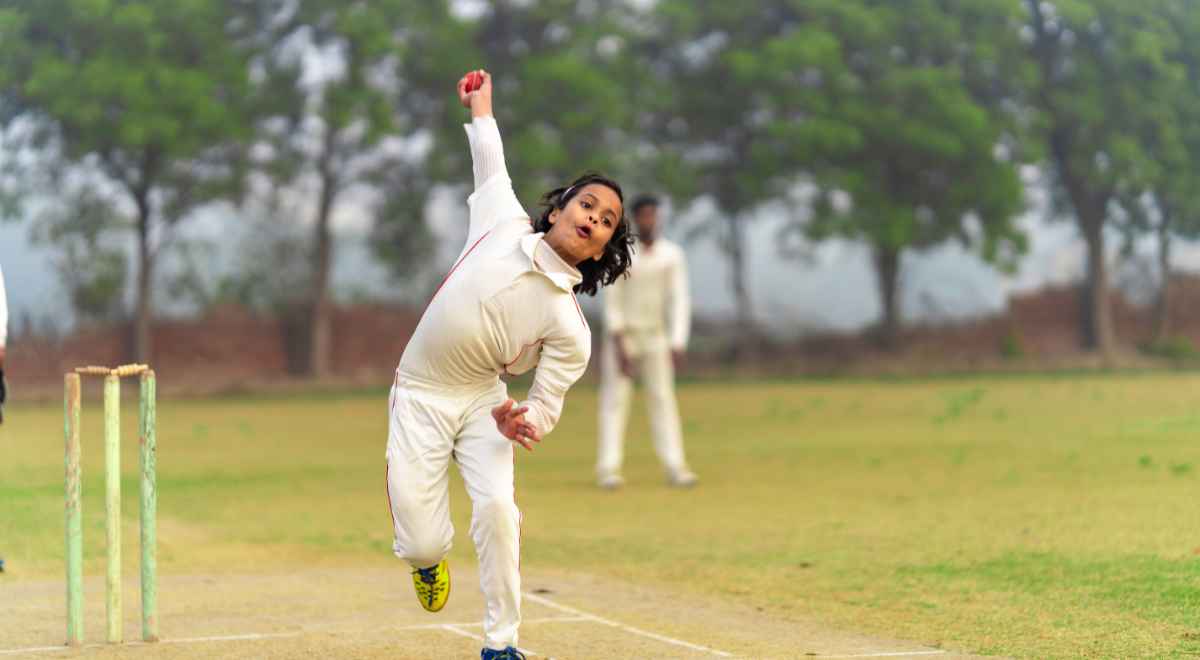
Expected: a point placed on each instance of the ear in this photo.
(554, 216)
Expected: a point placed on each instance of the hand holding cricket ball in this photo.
(475, 92)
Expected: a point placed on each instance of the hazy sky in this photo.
(835, 289)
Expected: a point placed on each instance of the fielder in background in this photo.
(508, 305)
(647, 317)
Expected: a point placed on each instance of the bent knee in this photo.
(422, 551)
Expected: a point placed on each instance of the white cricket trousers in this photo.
(430, 425)
(651, 356)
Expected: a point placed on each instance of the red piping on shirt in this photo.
(387, 486)
(455, 267)
(578, 309)
(523, 349)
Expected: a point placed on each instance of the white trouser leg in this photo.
(658, 377)
(420, 439)
(616, 389)
(485, 459)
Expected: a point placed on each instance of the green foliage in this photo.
(1012, 345)
(152, 94)
(1105, 104)
(139, 84)
(82, 223)
(329, 124)
(1175, 349)
(560, 70)
(886, 110)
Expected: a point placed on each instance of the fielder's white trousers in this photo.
(651, 355)
(429, 426)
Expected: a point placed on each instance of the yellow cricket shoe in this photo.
(433, 586)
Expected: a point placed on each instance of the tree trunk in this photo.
(1097, 330)
(319, 331)
(143, 343)
(1090, 204)
(1162, 311)
(741, 292)
(887, 274)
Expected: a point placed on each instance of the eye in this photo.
(607, 221)
(586, 205)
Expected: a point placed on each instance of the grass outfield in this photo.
(1034, 517)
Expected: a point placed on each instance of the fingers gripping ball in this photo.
(474, 81)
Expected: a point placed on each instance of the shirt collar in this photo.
(543, 259)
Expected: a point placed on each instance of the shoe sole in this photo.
(439, 607)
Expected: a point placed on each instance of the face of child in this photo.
(581, 230)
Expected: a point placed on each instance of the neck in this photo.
(548, 239)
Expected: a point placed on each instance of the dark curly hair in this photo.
(618, 253)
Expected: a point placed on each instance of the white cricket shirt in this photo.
(507, 305)
(654, 298)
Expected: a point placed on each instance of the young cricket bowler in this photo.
(508, 305)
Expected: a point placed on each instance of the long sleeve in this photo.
(681, 303)
(563, 360)
(493, 200)
(614, 307)
(3, 312)
(487, 149)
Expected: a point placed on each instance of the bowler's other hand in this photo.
(510, 421)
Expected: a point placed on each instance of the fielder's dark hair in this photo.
(642, 201)
(618, 254)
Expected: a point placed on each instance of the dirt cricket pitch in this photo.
(1038, 517)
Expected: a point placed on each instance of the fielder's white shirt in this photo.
(654, 298)
(3, 312)
(507, 305)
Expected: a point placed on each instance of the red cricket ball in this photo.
(474, 81)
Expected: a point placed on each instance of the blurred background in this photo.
(270, 190)
(258, 197)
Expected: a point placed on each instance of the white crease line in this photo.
(630, 629)
(179, 640)
(253, 636)
(451, 627)
(36, 649)
(889, 654)
(459, 631)
(224, 638)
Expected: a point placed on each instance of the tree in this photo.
(1164, 200)
(561, 98)
(1101, 80)
(150, 93)
(735, 110)
(336, 64)
(80, 222)
(928, 162)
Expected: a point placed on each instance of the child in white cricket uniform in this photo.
(506, 306)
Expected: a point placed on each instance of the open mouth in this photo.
(584, 231)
